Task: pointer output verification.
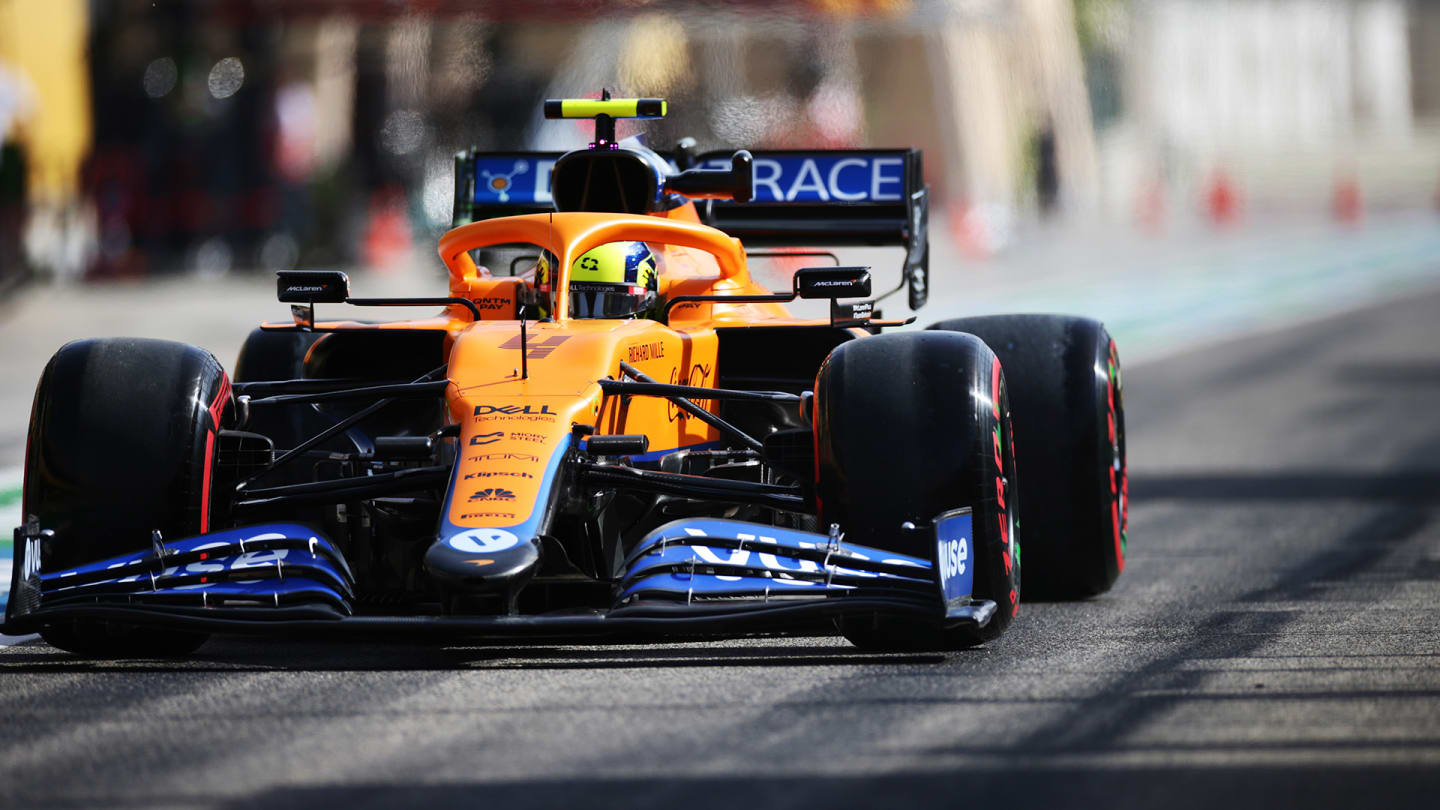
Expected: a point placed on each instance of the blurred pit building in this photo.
(213, 136)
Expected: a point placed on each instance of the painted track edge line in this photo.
(1220, 338)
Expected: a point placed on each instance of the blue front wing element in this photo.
(273, 565)
(702, 559)
(701, 575)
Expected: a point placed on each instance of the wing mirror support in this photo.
(813, 283)
(303, 289)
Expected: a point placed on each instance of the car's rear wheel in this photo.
(122, 444)
(908, 426)
(1065, 383)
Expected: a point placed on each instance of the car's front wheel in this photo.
(122, 444)
(908, 426)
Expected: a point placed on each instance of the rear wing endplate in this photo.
(501, 184)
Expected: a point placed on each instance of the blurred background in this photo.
(1180, 168)
(236, 136)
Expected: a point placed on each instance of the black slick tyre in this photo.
(274, 354)
(270, 355)
(908, 426)
(1067, 392)
(122, 444)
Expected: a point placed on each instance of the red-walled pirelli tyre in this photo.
(908, 426)
(1065, 384)
(122, 442)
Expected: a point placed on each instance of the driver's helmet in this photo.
(614, 280)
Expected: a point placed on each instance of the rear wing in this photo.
(814, 198)
(835, 197)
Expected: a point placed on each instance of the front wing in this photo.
(696, 576)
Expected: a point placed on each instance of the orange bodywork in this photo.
(514, 429)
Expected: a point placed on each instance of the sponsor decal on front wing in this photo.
(953, 551)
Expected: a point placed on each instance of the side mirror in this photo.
(312, 287)
(735, 183)
(832, 282)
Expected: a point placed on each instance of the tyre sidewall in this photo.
(122, 444)
(1063, 390)
(893, 447)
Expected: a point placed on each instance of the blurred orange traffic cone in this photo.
(387, 237)
(968, 231)
(1150, 208)
(1347, 205)
(1222, 202)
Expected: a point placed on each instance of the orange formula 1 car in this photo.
(609, 428)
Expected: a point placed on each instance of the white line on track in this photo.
(1196, 342)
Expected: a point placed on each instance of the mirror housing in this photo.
(312, 287)
(735, 183)
(832, 282)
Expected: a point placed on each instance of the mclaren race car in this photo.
(608, 428)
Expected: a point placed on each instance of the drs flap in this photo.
(828, 197)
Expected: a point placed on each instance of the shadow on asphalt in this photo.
(1403, 486)
(1035, 785)
(247, 655)
(1389, 373)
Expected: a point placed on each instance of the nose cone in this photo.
(478, 561)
